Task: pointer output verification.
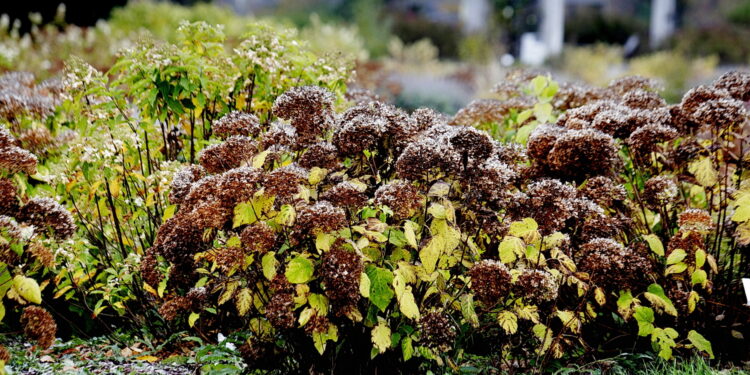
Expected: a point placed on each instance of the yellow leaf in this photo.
(410, 229)
(259, 159)
(508, 321)
(364, 285)
(28, 289)
(228, 292)
(407, 305)
(244, 301)
(381, 337)
(600, 297)
(192, 318)
(148, 358)
(509, 248)
(704, 172)
(316, 175)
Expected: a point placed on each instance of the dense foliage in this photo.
(243, 191)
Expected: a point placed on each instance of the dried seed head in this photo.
(173, 307)
(183, 180)
(237, 123)
(549, 202)
(578, 154)
(279, 134)
(309, 109)
(437, 331)
(694, 219)
(345, 194)
(238, 185)
(644, 140)
(624, 85)
(737, 84)
(227, 155)
(341, 271)
(401, 197)
(284, 182)
(149, 268)
(8, 197)
(258, 237)
(15, 159)
(603, 191)
(322, 217)
(659, 191)
(537, 286)
(229, 258)
(720, 113)
(39, 325)
(321, 155)
(643, 99)
(45, 212)
(362, 132)
(613, 266)
(490, 281)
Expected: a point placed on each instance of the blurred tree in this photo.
(77, 12)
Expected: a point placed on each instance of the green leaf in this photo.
(645, 318)
(525, 228)
(269, 264)
(700, 342)
(676, 256)
(381, 293)
(430, 254)
(2, 311)
(509, 248)
(299, 270)
(316, 175)
(675, 268)
(381, 337)
(408, 305)
(286, 215)
(508, 321)
(168, 212)
(655, 244)
(323, 241)
(364, 285)
(700, 258)
(28, 289)
(407, 349)
(699, 277)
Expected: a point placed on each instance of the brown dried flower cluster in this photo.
(309, 109)
(402, 197)
(20, 96)
(322, 217)
(237, 123)
(613, 266)
(280, 309)
(228, 154)
(490, 281)
(39, 325)
(341, 270)
(12, 157)
(437, 331)
(44, 213)
(659, 191)
(537, 286)
(258, 237)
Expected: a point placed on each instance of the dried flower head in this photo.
(183, 180)
(280, 309)
(42, 254)
(643, 99)
(238, 185)
(228, 258)
(720, 113)
(437, 331)
(603, 190)
(8, 197)
(613, 266)
(579, 154)
(322, 217)
(45, 212)
(659, 191)
(4, 354)
(308, 108)
(237, 123)
(736, 83)
(694, 219)
(491, 179)
(542, 140)
(472, 143)
(173, 307)
(537, 286)
(486, 111)
(341, 270)
(622, 86)
(549, 202)
(228, 154)
(401, 197)
(321, 155)
(39, 325)
(149, 268)
(346, 194)
(490, 281)
(284, 182)
(36, 139)
(15, 159)
(279, 134)
(700, 95)
(258, 237)
(362, 132)
(361, 96)
(644, 140)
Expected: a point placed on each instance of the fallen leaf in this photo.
(148, 358)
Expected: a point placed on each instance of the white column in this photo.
(552, 29)
(662, 21)
(473, 15)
